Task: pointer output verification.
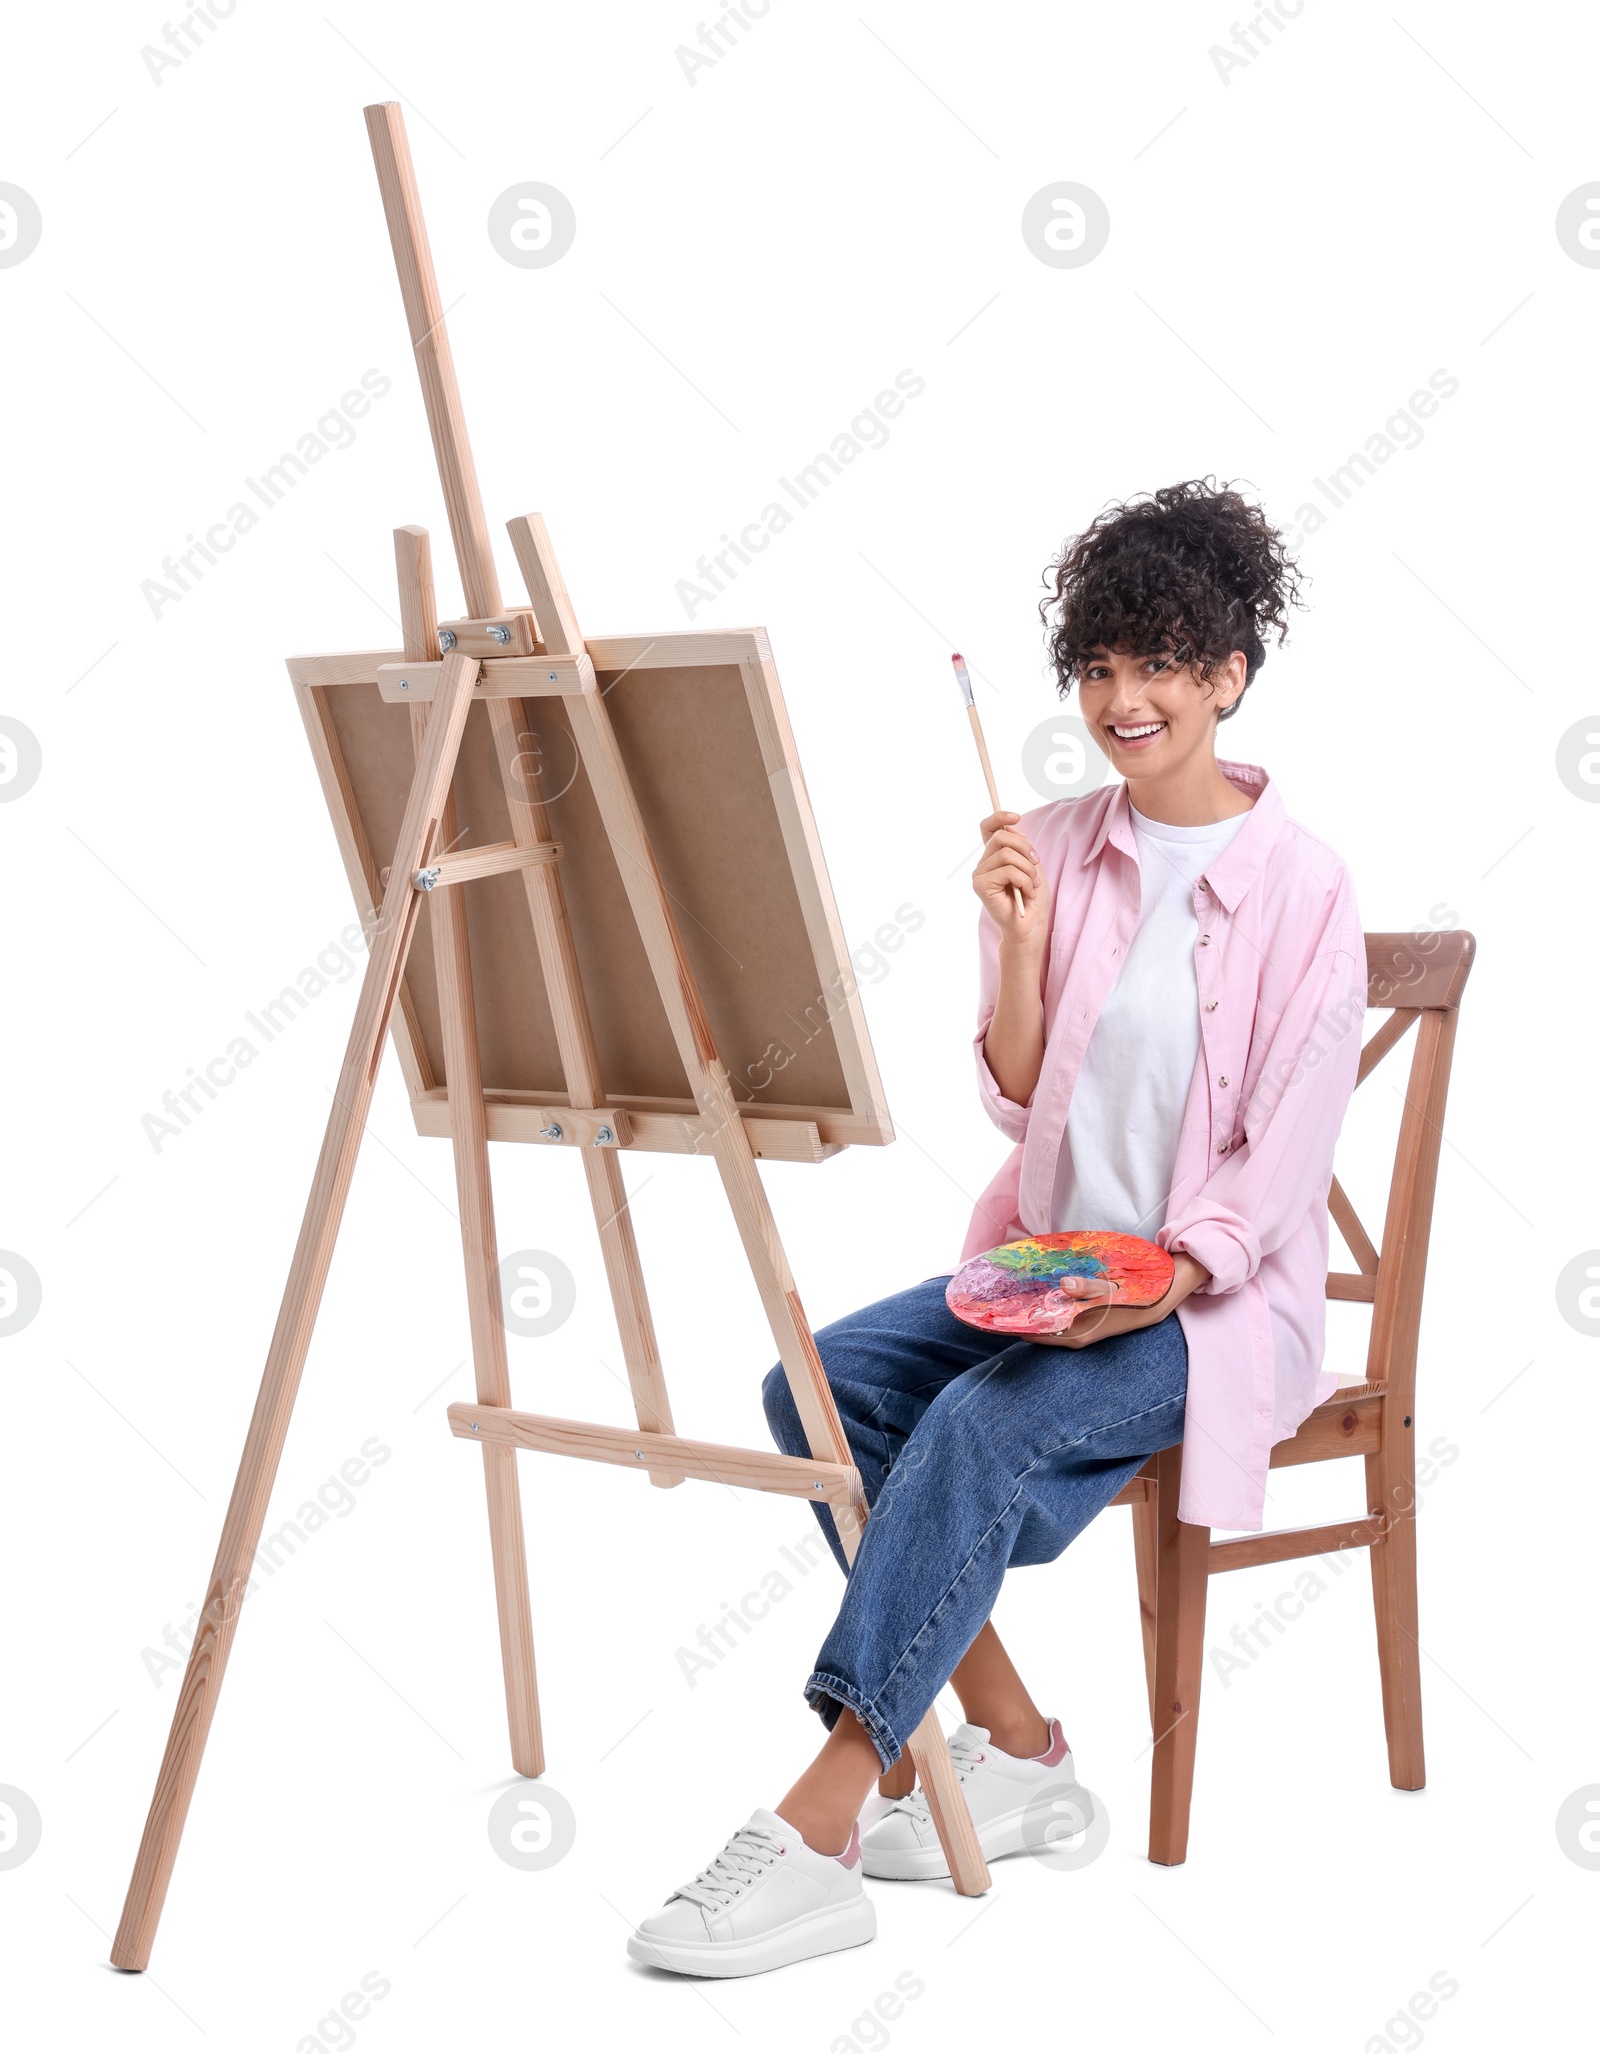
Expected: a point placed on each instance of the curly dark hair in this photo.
(1193, 570)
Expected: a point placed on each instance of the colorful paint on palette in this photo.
(1030, 1287)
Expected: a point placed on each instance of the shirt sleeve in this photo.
(1257, 1198)
(1007, 1115)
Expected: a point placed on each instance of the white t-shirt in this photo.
(1121, 1141)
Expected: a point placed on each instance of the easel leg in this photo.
(608, 1195)
(901, 1780)
(936, 1772)
(474, 1192)
(291, 1340)
(458, 1023)
(729, 1143)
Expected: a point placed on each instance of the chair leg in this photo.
(1182, 1572)
(1391, 1492)
(1146, 1530)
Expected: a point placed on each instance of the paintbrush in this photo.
(965, 682)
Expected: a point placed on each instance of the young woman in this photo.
(1168, 1031)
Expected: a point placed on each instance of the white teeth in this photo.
(1132, 734)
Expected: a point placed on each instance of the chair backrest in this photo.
(1418, 979)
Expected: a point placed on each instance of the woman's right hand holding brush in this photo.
(1007, 866)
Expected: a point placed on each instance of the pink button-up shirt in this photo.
(1281, 967)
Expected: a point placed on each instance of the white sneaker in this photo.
(766, 1900)
(998, 1787)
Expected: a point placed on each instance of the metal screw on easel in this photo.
(447, 640)
(603, 1137)
(425, 880)
(500, 635)
(552, 1132)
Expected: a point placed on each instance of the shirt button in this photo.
(1204, 939)
(1223, 1081)
(1222, 1148)
(1211, 1005)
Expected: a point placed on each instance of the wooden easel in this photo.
(501, 658)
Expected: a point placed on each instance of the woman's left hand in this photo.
(1100, 1322)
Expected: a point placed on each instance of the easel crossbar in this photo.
(512, 677)
(790, 1476)
(494, 859)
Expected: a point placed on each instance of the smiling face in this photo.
(1152, 717)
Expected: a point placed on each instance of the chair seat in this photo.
(1328, 1431)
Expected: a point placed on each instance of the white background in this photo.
(1292, 253)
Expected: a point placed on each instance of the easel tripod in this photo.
(490, 659)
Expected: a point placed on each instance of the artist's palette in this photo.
(1017, 1289)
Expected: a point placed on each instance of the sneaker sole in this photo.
(998, 1839)
(819, 1932)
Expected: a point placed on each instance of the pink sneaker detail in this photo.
(1057, 1748)
(852, 1852)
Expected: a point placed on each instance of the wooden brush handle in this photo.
(988, 777)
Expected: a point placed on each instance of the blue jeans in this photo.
(977, 1453)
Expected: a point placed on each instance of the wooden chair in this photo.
(1418, 980)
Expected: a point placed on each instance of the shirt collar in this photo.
(1240, 863)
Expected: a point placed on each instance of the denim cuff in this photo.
(828, 1695)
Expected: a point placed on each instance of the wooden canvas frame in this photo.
(757, 885)
(493, 662)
